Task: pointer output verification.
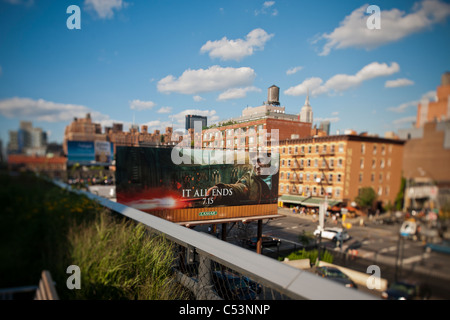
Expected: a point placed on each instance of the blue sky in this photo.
(152, 62)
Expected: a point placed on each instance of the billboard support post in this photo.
(259, 238)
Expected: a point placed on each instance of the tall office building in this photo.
(191, 119)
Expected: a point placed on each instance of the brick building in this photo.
(438, 110)
(339, 166)
(246, 132)
(54, 167)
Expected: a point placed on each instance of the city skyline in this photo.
(152, 63)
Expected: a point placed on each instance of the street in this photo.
(378, 245)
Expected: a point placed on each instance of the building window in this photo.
(324, 148)
(361, 165)
(331, 163)
(282, 163)
(309, 149)
(332, 148)
(287, 188)
(337, 193)
(296, 150)
(381, 177)
(339, 163)
(289, 163)
(314, 190)
(374, 163)
(372, 177)
(380, 191)
(307, 176)
(330, 177)
(383, 149)
(302, 149)
(284, 150)
(363, 148)
(382, 163)
(289, 150)
(375, 149)
(386, 191)
(288, 175)
(301, 163)
(308, 163)
(360, 177)
(316, 163)
(339, 177)
(317, 148)
(341, 147)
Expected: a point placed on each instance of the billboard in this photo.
(90, 152)
(193, 184)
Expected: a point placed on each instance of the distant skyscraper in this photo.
(325, 126)
(306, 114)
(27, 140)
(190, 120)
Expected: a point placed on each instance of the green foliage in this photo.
(43, 227)
(366, 197)
(312, 255)
(399, 199)
(306, 238)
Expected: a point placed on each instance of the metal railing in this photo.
(205, 261)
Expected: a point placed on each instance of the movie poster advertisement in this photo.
(164, 181)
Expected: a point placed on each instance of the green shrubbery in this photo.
(312, 255)
(43, 227)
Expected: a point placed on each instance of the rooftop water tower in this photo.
(273, 96)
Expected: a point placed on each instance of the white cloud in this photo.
(426, 97)
(237, 93)
(267, 8)
(141, 105)
(165, 110)
(405, 120)
(21, 2)
(331, 119)
(342, 82)
(237, 49)
(105, 8)
(404, 106)
(311, 84)
(402, 82)
(395, 25)
(198, 98)
(294, 70)
(212, 79)
(48, 111)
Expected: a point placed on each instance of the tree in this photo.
(366, 198)
(400, 195)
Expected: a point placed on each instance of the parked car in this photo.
(267, 241)
(333, 233)
(337, 275)
(231, 286)
(407, 290)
